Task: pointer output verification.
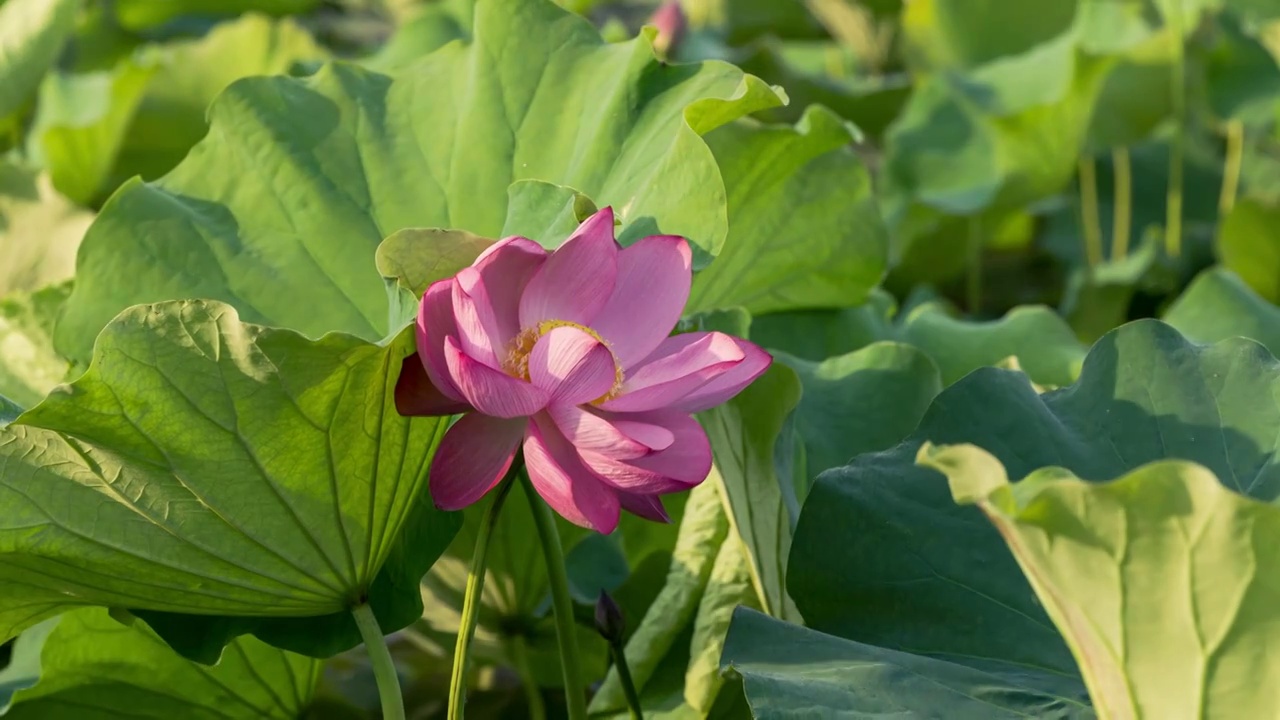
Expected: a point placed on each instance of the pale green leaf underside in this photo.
(1162, 582)
(95, 668)
(207, 466)
(280, 209)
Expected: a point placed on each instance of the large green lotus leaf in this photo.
(788, 671)
(81, 123)
(29, 367)
(428, 28)
(280, 209)
(1219, 305)
(882, 555)
(221, 478)
(1248, 245)
(415, 258)
(816, 335)
(965, 34)
(144, 14)
(1002, 135)
(870, 103)
(545, 212)
(190, 74)
(1242, 78)
(1129, 106)
(32, 33)
(804, 228)
(411, 259)
(1162, 582)
(39, 230)
(1044, 344)
(889, 384)
(95, 668)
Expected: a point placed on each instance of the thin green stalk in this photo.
(1231, 167)
(519, 651)
(1122, 217)
(384, 669)
(1089, 218)
(1178, 92)
(474, 591)
(628, 685)
(973, 288)
(561, 603)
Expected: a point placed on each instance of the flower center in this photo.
(516, 363)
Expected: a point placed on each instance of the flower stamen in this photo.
(516, 362)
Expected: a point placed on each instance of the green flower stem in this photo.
(1123, 211)
(1178, 93)
(624, 676)
(973, 278)
(519, 651)
(561, 602)
(1089, 217)
(384, 669)
(1231, 167)
(474, 591)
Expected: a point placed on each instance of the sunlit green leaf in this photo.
(280, 209)
(81, 124)
(804, 229)
(95, 668)
(1162, 582)
(32, 33)
(1247, 246)
(224, 478)
(172, 116)
(39, 230)
(29, 367)
(1219, 305)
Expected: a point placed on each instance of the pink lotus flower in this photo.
(670, 21)
(568, 352)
